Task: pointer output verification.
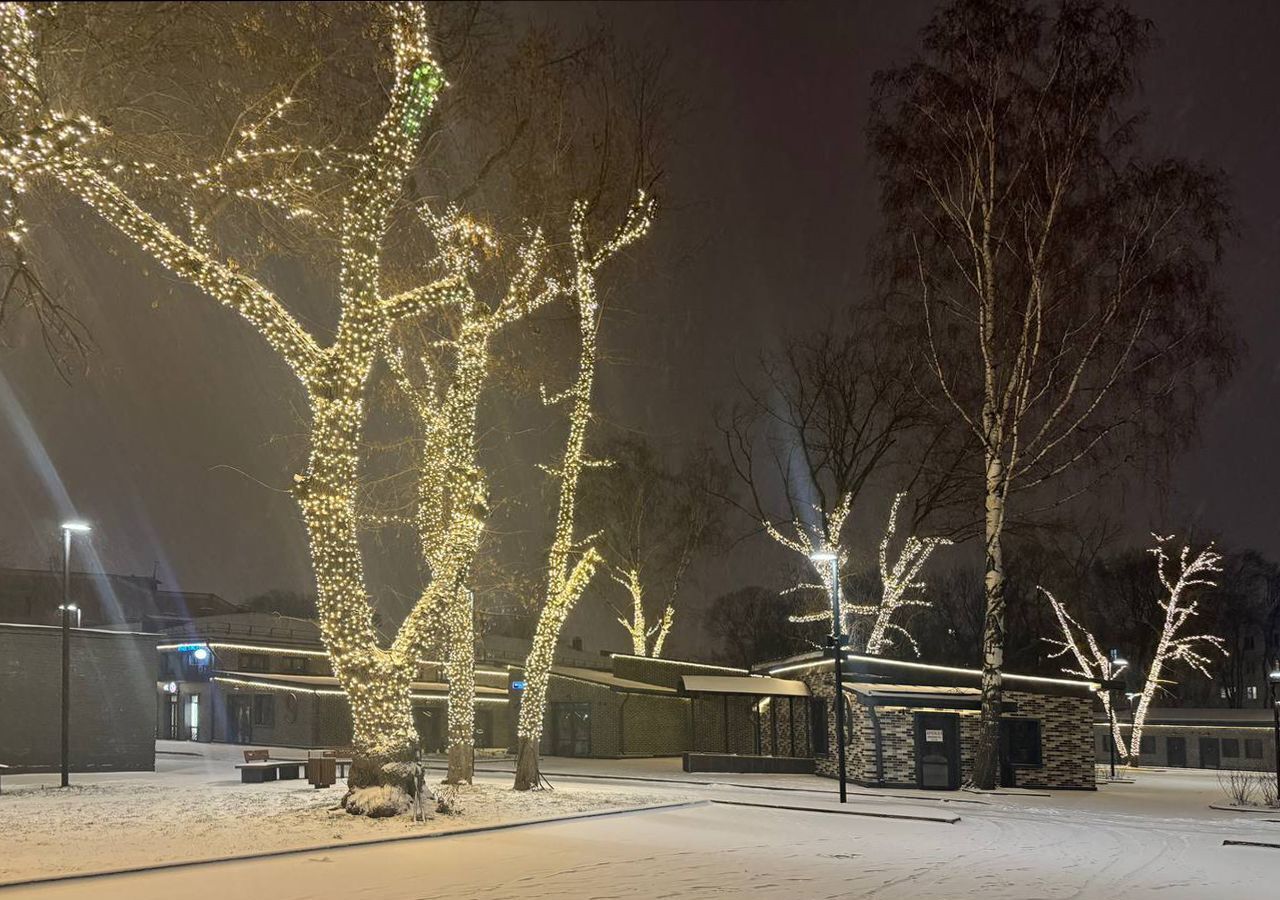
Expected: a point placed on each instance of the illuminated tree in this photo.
(1182, 581)
(570, 563)
(44, 142)
(900, 584)
(1060, 278)
(653, 520)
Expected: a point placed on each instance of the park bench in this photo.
(258, 766)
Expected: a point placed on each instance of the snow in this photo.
(1156, 836)
(194, 807)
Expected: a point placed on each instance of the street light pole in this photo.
(1274, 679)
(1117, 664)
(837, 652)
(66, 607)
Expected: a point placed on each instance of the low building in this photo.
(641, 706)
(112, 680)
(916, 725)
(259, 678)
(1198, 738)
(101, 600)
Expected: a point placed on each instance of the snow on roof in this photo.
(608, 679)
(753, 685)
(328, 681)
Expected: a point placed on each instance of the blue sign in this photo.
(517, 685)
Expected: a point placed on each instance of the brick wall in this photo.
(1066, 739)
(113, 687)
(1157, 737)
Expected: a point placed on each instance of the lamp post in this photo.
(1117, 665)
(837, 651)
(1274, 681)
(66, 608)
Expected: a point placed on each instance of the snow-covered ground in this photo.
(194, 807)
(1154, 837)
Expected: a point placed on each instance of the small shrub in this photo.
(1238, 786)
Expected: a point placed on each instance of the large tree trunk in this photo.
(377, 685)
(528, 773)
(986, 762)
(462, 690)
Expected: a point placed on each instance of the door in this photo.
(1176, 748)
(938, 751)
(172, 730)
(1209, 756)
(193, 717)
(571, 729)
(240, 718)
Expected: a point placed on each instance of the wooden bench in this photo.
(258, 766)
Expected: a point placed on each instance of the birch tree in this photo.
(1060, 279)
(900, 587)
(571, 561)
(654, 519)
(1183, 581)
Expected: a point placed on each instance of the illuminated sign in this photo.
(517, 685)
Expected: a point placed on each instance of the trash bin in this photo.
(322, 771)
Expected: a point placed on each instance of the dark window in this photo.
(1147, 745)
(570, 728)
(1248, 642)
(296, 664)
(819, 719)
(253, 662)
(1253, 748)
(1021, 739)
(577, 643)
(1230, 747)
(264, 710)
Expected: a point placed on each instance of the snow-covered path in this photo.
(715, 850)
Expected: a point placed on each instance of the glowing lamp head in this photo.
(78, 527)
(823, 556)
(1274, 675)
(200, 654)
(1119, 662)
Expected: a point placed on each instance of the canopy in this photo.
(752, 685)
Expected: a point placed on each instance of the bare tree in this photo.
(1183, 582)
(1061, 279)
(653, 520)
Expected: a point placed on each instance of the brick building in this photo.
(915, 725)
(112, 686)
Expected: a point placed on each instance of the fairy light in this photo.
(1180, 604)
(900, 580)
(1093, 665)
(54, 145)
(637, 627)
(567, 577)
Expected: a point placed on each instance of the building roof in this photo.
(751, 685)
(608, 679)
(1191, 716)
(328, 682)
(877, 669)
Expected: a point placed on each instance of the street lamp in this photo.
(832, 560)
(66, 608)
(1117, 665)
(1274, 680)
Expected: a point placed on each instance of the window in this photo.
(1253, 748)
(264, 710)
(820, 720)
(296, 664)
(1147, 745)
(1021, 739)
(1222, 693)
(1230, 747)
(253, 662)
(1251, 692)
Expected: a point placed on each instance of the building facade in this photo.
(1198, 739)
(913, 725)
(112, 685)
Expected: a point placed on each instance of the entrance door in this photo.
(1176, 748)
(571, 729)
(171, 729)
(240, 718)
(1209, 756)
(938, 751)
(193, 717)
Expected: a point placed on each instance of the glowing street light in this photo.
(832, 559)
(1273, 679)
(67, 607)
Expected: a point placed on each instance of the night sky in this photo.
(177, 443)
